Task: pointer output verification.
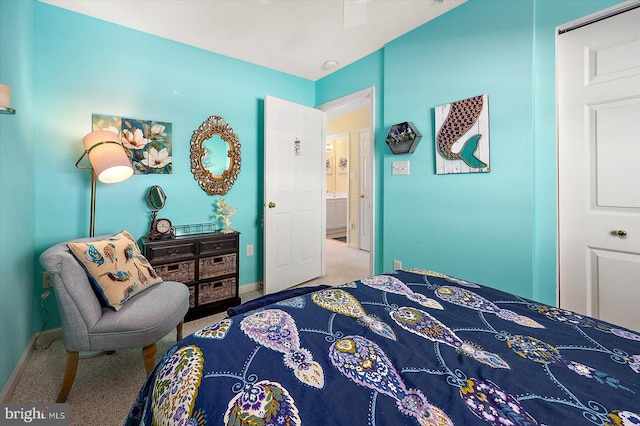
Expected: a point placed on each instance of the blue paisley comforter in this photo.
(409, 347)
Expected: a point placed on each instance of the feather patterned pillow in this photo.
(116, 268)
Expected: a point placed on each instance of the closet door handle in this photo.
(271, 204)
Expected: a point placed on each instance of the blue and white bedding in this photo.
(409, 347)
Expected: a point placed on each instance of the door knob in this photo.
(621, 233)
(271, 204)
(361, 195)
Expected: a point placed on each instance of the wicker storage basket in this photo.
(216, 290)
(217, 266)
(192, 296)
(182, 272)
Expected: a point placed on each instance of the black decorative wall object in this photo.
(403, 138)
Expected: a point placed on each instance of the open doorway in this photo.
(349, 187)
(338, 194)
(296, 252)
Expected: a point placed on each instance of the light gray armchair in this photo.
(87, 326)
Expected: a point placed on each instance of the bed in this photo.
(408, 347)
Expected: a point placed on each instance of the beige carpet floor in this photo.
(106, 385)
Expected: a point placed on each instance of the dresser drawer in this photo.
(216, 266)
(166, 253)
(207, 263)
(183, 272)
(216, 290)
(217, 246)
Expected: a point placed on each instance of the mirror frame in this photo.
(160, 193)
(210, 183)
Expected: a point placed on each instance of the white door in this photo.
(599, 169)
(293, 194)
(365, 189)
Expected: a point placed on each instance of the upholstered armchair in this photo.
(88, 325)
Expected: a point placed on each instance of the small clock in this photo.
(161, 228)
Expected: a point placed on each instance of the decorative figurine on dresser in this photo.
(207, 262)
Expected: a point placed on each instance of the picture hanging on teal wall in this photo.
(462, 136)
(147, 142)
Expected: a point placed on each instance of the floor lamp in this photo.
(109, 162)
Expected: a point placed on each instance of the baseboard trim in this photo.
(11, 384)
(46, 336)
(248, 288)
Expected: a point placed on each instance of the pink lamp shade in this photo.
(5, 95)
(108, 158)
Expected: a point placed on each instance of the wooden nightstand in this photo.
(209, 264)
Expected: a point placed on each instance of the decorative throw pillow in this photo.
(116, 268)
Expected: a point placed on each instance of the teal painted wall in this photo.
(17, 294)
(84, 66)
(474, 226)
(65, 66)
(496, 228)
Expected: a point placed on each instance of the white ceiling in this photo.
(292, 36)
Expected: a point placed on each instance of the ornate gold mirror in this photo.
(215, 156)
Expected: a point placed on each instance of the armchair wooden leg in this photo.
(149, 356)
(69, 376)
(179, 331)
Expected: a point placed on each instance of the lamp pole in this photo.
(92, 218)
(110, 162)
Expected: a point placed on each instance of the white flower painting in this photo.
(147, 143)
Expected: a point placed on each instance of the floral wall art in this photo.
(462, 136)
(329, 164)
(147, 142)
(343, 165)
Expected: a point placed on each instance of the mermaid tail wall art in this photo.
(463, 134)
